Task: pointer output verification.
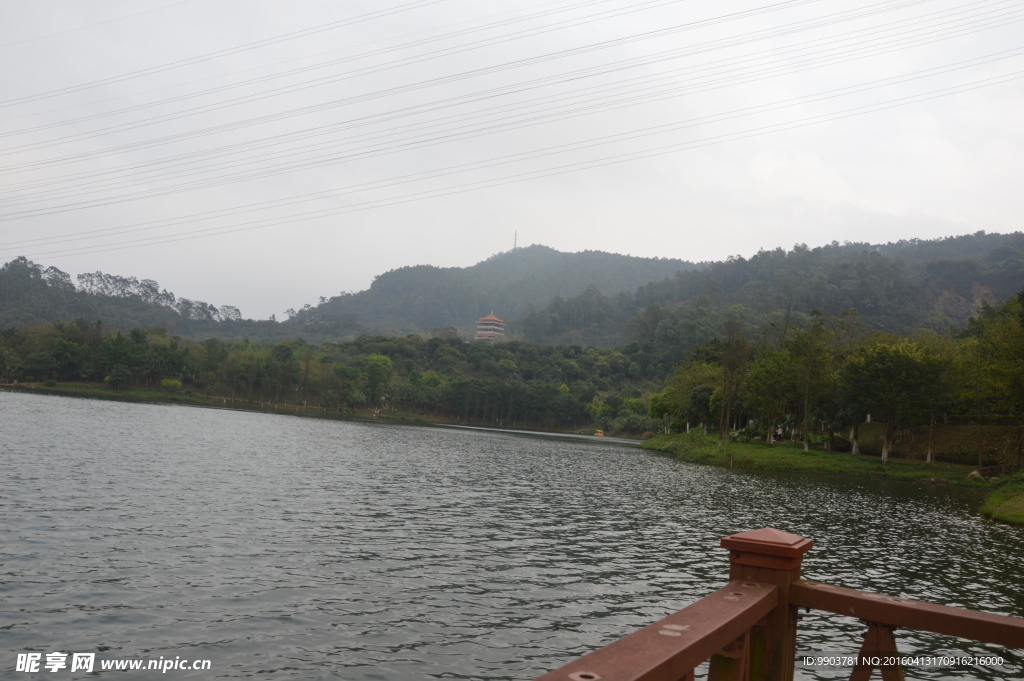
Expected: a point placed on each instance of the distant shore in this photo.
(789, 457)
(1005, 503)
(189, 398)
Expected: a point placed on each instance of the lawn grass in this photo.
(1006, 502)
(699, 448)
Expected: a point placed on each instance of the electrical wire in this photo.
(408, 61)
(647, 4)
(320, 28)
(633, 99)
(567, 168)
(483, 184)
(689, 51)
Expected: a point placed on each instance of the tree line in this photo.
(823, 379)
(817, 378)
(896, 288)
(513, 383)
(551, 297)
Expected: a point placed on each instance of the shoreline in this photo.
(1005, 502)
(157, 396)
(783, 457)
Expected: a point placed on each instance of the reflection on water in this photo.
(310, 548)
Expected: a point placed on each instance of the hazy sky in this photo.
(264, 154)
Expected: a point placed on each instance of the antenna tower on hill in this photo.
(515, 240)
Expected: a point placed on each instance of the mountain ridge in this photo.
(590, 297)
(421, 297)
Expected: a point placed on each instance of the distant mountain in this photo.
(405, 300)
(31, 294)
(895, 287)
(590, 298)
(423, 297)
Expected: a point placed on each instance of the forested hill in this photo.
(896, 287)
(592, 298)
(31, 294)
(423, 297)
(406, 300)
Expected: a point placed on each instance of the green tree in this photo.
(378, 374)
(735, 354)
(810, 360)
(999, 358)
(767, 387)
(329, 397)
(119, 376)
(687, 393)
(891, 379)
(9, 363)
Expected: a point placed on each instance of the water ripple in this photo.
(318, 549)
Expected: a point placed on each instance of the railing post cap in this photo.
(767, 542)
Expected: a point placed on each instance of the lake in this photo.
(308, 548)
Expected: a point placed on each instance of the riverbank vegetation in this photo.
(696, 447)
(1006, 502)
(823, 381)
(513, 384)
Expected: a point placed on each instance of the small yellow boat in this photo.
(599, 433)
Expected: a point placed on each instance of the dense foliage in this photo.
(824, 378)
(513, 383)
(419, 298)
(669, 306)
(896, 288)
(810, 341)
(818, 380)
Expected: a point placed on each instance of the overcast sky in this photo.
(264, 153)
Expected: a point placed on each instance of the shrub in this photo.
(170, 385)
(30, 379)
(635, 423)
(119, 376)
(50, 383)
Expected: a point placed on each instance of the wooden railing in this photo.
(747, 629)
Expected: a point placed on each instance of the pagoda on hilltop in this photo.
(489, 328)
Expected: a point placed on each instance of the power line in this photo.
(221, 53)
(549, 172)
(719, 44)
(266, 66)
(408, 61)
(647, 4)
(673, 90)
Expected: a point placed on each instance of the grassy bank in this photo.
(699, 448)
(1006, 502)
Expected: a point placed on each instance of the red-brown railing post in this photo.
(768, 556)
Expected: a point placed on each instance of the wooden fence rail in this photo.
(747, 629)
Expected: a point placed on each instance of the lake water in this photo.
(328, 549)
